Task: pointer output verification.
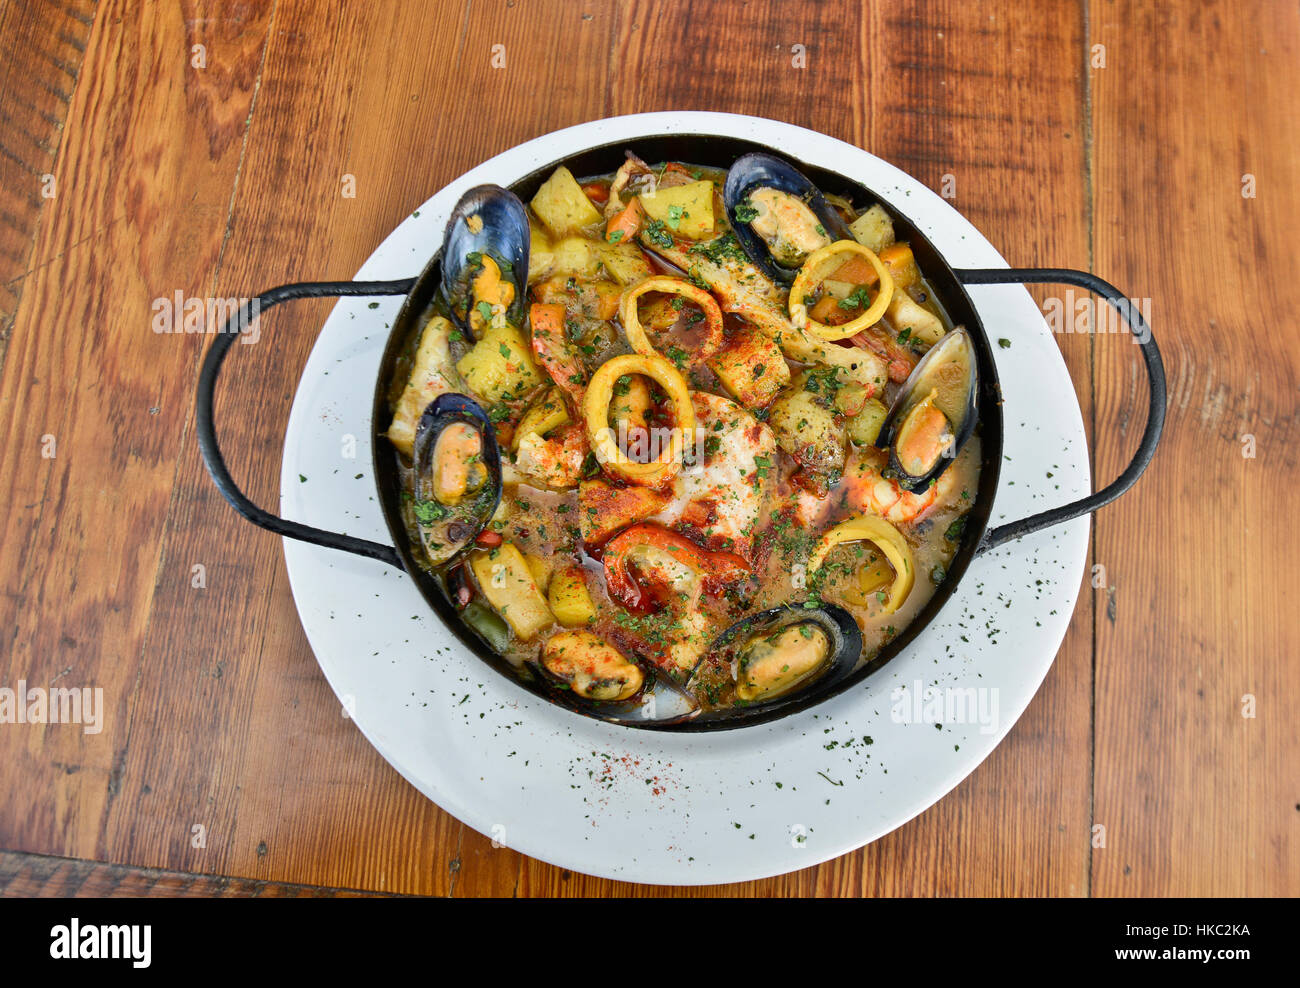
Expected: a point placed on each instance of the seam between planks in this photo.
(243, 150)
(163, 540)
(162, 873)
(55, 154)
(1090, 223)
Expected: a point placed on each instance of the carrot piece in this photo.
(857, 270)
(902, 265)
(597, 192)
(623, 225)
(827, 311)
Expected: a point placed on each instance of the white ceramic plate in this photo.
(669, 808)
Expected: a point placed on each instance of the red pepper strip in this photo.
(716, 569)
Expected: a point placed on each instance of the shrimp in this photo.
(634, 176)
(879, 340)
(652, 569)
(864, 488)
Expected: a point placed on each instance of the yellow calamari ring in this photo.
(595, 407)
(820, 264)
(631, 319)
(891, 542)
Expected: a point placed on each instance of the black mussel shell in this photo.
(758, 170)
(487, 220)
(950, 368)
(447, 529)
(658, 702)
(845, 641)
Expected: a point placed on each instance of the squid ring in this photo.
(631, 319)
(820, 264)
(890, 541)
(600, 436)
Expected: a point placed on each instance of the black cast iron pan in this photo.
(703, 149)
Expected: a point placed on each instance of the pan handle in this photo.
(212, 457)
(1155, 377)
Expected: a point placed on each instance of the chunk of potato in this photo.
(576, 256)
(569, 598)
(500, 366)
(432, 374)
(541, 570)
(547, 414)
(541, 252)
(751, 367)
(624, 262)
(864, 428)
(687, 210)
(808, 430)
(907, 314)
(562, 206)
(873, 229)
(581, 257)
(506, 581)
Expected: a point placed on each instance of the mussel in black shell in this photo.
(588, 674)
(457, 475)
(775, 652)
(934, 413)
(590, 666)
(485, 259)
(777, 215)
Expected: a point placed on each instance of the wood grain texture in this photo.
(25, 876)
(225, 753)
(41, 49)
(1197, 798)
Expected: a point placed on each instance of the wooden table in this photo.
(205, 147)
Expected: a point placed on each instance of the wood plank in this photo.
(25, 876)
(41, 49)
(926, 71)
(146, 170)
(221, 714)
(1196, 798)
(996, 101)
(260, 728)
(257, 715)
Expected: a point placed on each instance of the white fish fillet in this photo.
(730, 487)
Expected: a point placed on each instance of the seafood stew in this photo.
(688, 442)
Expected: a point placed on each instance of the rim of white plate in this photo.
(668, 808)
